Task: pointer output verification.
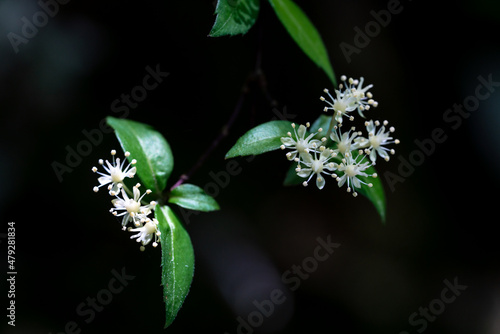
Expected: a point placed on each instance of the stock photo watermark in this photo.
(120, 106)
(11, 273)
(220, 180)
(453, 118)
(87, 309)
(30, 26)
(373, 28)
(436, 306)
(292, 278)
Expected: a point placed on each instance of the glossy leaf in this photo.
(263, 138)
(234, 17)
(152, 152)
(177, 261)
(325, 122)
(375, 194)
(304, 34)
(192, 197)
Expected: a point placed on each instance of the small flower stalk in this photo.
(342, 155)
(129, 205)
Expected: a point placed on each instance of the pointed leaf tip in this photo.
(177, 261)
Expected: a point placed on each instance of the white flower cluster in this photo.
(130, 206)
(340, 155)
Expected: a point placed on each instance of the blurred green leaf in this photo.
(263, 138)
(323, 122)
(234, 17)
(304, 34)
(152, 152)
(177, 261)
(291, 178)
(375, 194)
(192, 197)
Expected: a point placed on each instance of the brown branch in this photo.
(224, 133)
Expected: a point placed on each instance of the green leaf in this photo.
(324, 122)
(375, 194)
(291, 178)
(234, 17)
(304, 34)
(177, 261)
(263, 138)
(192, 197)
(152, 152)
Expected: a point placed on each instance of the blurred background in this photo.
(441, 221)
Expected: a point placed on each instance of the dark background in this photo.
(441, 221)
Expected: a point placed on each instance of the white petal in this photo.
(118, 203)
(124, 195)
(145, 210)
(131, 172)
(104, 180)
(115, 188)
(361, 142)
(302, 131)
(334, 136)
(304, 172)
(325, 154)
(329, 166)
(291, 155)
(287, 141)
(320, 182)
(370, 127)
(307, 158)
(109, 166)
(383, 153)
(355, 182)
(147, 239)
(125, 220)
(137, 193)
(342, 180)
(309, 138)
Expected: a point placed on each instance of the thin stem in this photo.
(257, 76)
(224, 133)
(330, 128)
(127, 190)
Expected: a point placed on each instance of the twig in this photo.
(258, 76)
(224, 132)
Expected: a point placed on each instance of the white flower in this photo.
(344, 140)
(146, 233)
(354, 88)
(302, 146)
(376, 141)
(116, 173)
(132, 208)
(317, 166)
(352, 168)
(343, 104)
